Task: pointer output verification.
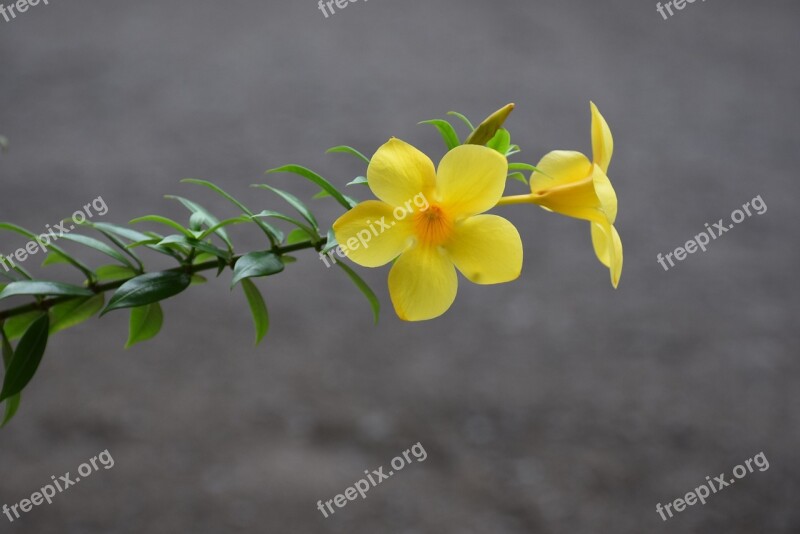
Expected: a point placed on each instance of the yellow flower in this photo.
(572, 185)
(431, 223)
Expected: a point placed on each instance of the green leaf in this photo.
(73, 312)
(519, 177)
(281, 216)
(165, 221)
(298, 235)
(521, 167)
(110, 273)
(293, 201)
(222, 224)
(204, 246)
(12, 404)
(3, 143)
(54, 258)
(274, 235)
(87, 272)
(204, 217)
(256, 264)
(488, 128)
(42, 288)
(147, 289)
(145, 323)
(348, 203)
(348, 150)
(198, 279)
(99, 246)
(501, 141)
(258, 308)
(359, 180)
(27, 357)
(17, 325)
(365, 289)
(131, 235)
(463, 118)
(512, 149)
(447, 132)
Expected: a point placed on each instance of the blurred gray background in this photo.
(551, 404)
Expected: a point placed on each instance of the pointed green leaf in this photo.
(501, 141)
(365, 289)
(298, 235)
(348, 203)
(99, 246)
(26, 359)
(519, 177)
(258, 309)
(147, 289)
(359, 180)
(87, 272)
(348, 150)
(16, 326)
(293, 201)
(274, 235)
(447, 132)
(463, 118)
(205, 218)
(165, 221)
(12, 404)
(145, 323)
(54, 258)
(74, 312)
(256, 264)
(281, 216)
(110, 273)
(522, 167)
(42, 288)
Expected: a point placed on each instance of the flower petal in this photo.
(486, 249)
(608, 248)
(605, 193)
(560, 167)
(471, 179)
(369, 234)
(602, 140)
(422, 283)
(398, 172)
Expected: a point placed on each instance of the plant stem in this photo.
(516, 199)
(189, 269)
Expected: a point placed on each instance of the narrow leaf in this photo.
(145, 323)
(348, 203)
(447, 132)
(99, 246)
(256, 264)
(204, 217)
(258, 309)
(365, 289)
(16, 326)
(298, 235)
(359, 180)
(74, 312)
(12, 403)
(165, 221)
(26, 359)
(293, 201)
(463, 118)
(501, 141)
(348, 150)
(41, 288)
(147, 289)
(109, 273)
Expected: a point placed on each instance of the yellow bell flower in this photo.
(431, 222)
(569, 184)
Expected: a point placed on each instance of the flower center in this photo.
(434, 226)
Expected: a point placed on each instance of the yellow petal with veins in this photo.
(370, 235)
(602, 140)
(608, 247)
(422, 283)
(486, 249)
(398, 172)
(470, 180)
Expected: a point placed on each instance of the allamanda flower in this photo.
(430, 240)
(569, 184)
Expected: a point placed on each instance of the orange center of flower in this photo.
(434, 226)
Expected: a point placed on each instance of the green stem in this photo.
(189, 269)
